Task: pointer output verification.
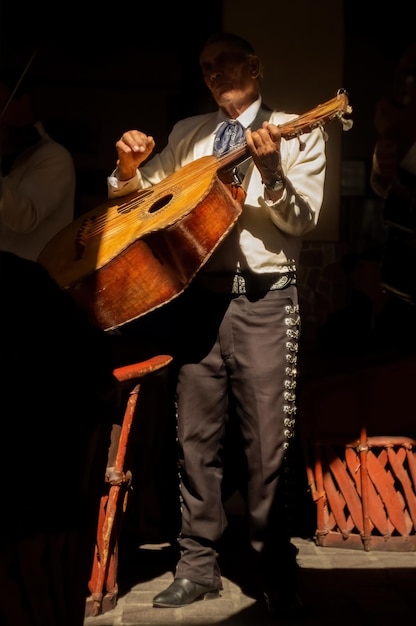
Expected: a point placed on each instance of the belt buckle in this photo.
(239, 284)
(282, 282)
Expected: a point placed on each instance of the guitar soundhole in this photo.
(161, 202)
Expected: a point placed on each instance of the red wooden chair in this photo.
(103, 582)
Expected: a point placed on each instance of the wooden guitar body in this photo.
(121, 261)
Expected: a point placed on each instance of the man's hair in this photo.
(240, 42)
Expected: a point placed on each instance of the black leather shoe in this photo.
(284, 605)
(184, 591)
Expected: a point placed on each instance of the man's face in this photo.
(230, 74)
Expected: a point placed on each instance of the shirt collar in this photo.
(245, 118)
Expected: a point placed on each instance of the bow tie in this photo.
(229, 135)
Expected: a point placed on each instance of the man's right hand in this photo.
(133, 148)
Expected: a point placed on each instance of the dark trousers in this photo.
(241, 347)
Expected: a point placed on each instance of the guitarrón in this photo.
(120, 261)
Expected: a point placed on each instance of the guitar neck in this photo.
(233, 158)
(336, 108)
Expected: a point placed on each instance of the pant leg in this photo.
(202, 407)
(261, 341)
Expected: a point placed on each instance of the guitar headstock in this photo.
(336, 108)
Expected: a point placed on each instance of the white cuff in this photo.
(122, 187)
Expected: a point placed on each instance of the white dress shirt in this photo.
(36, 197)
